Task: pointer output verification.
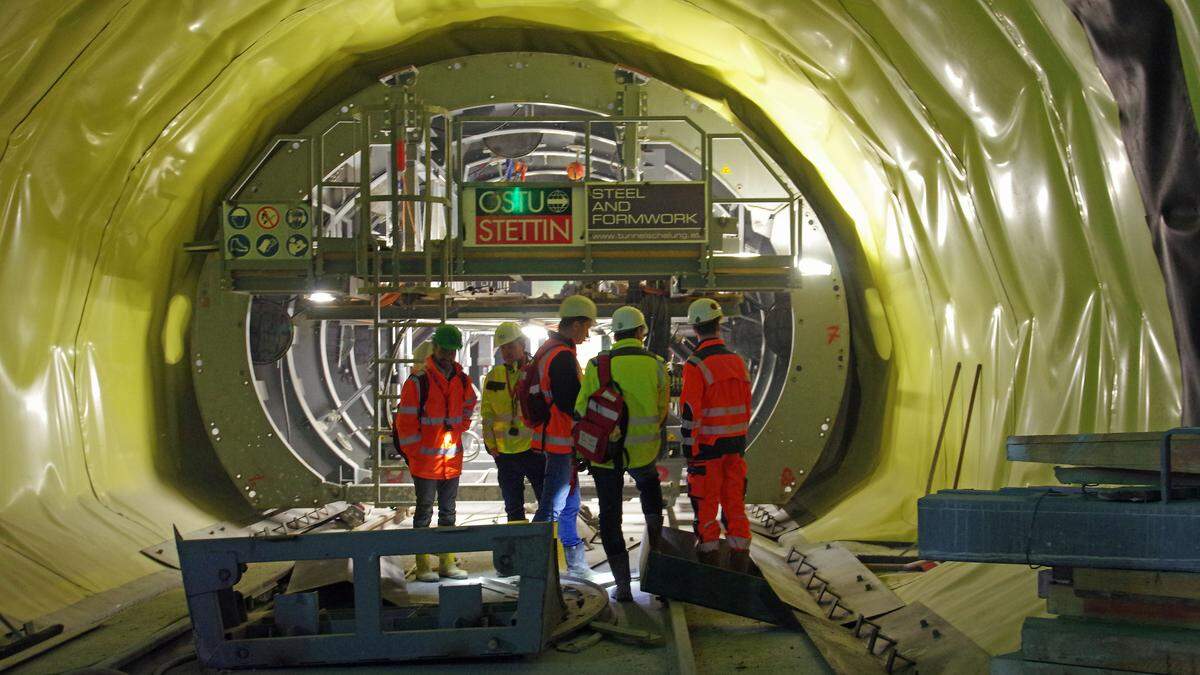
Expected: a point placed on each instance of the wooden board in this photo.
(1119, 646)
(1137, 582)
(845, 654)
(1143, 610)
(782, 579)
(858, 587)
(935, 644)
(1122, 451)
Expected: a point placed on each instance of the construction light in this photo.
(815, 268)
(535, 333)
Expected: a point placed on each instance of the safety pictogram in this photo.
(267, 218)
(297, 245)
(297, 217)
(267, 245)
(239, 245)
(239, 218)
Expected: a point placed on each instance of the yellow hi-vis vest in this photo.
(501, 411)
(647, 393)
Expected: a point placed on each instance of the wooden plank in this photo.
(1143, 610)
(1100, 644)
(1135, 582)
(681, 638)
(845, 654)
(858, 587)
(782, 579)
(1094, 475)
(934, 643)
(1123, 451)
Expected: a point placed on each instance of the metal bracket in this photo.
(369, 631)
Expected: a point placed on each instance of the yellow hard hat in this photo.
(703, 311)
(627, 318)
(577, 305)
(507, 332)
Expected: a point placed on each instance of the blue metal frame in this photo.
(211, 567)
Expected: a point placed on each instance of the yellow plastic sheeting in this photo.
(964, 154)
(987, 602)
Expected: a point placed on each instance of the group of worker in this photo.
(437, 402)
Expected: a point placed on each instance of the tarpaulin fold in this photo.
(966, 158)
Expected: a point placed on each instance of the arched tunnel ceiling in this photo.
(966, 156)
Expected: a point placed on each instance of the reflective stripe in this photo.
(409, 440)
(687, 424)
(441, 420)
(709, 545)
(439, 452)
(689, 441)
(731, 410)
(406, 410)
(642, 438)
(608, 396)
(535, 389)
(727, 429)
(588, 441)
(739, 543)
(604, 412)
(648, 419)
(708, 376)
(558, 440)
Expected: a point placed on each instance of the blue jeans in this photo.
(560, 501)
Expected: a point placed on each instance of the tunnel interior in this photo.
(965, 165)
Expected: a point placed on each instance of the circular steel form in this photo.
(292, 430)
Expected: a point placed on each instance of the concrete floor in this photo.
(709, 642)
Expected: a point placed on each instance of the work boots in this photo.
(739, 560)
(424, 569)
(709, 557)
(449, 567)
(654, 531)
(620, 571)
(576, 562)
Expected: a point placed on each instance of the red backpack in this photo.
(534, 403)
(605, 410)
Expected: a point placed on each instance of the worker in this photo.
(435, 409)
(642, 380)
(715, 407)
(558, 381)
(504, 433)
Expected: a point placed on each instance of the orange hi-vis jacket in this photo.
(555, 436)
(433, 414)
(715, 401)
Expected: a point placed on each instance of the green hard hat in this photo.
(447, 337)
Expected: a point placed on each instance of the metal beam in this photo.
(369, 632)
(1058, 526)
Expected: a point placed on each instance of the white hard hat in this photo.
(627, 318)
(507, 332)
(703, 311)
(577, 305)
